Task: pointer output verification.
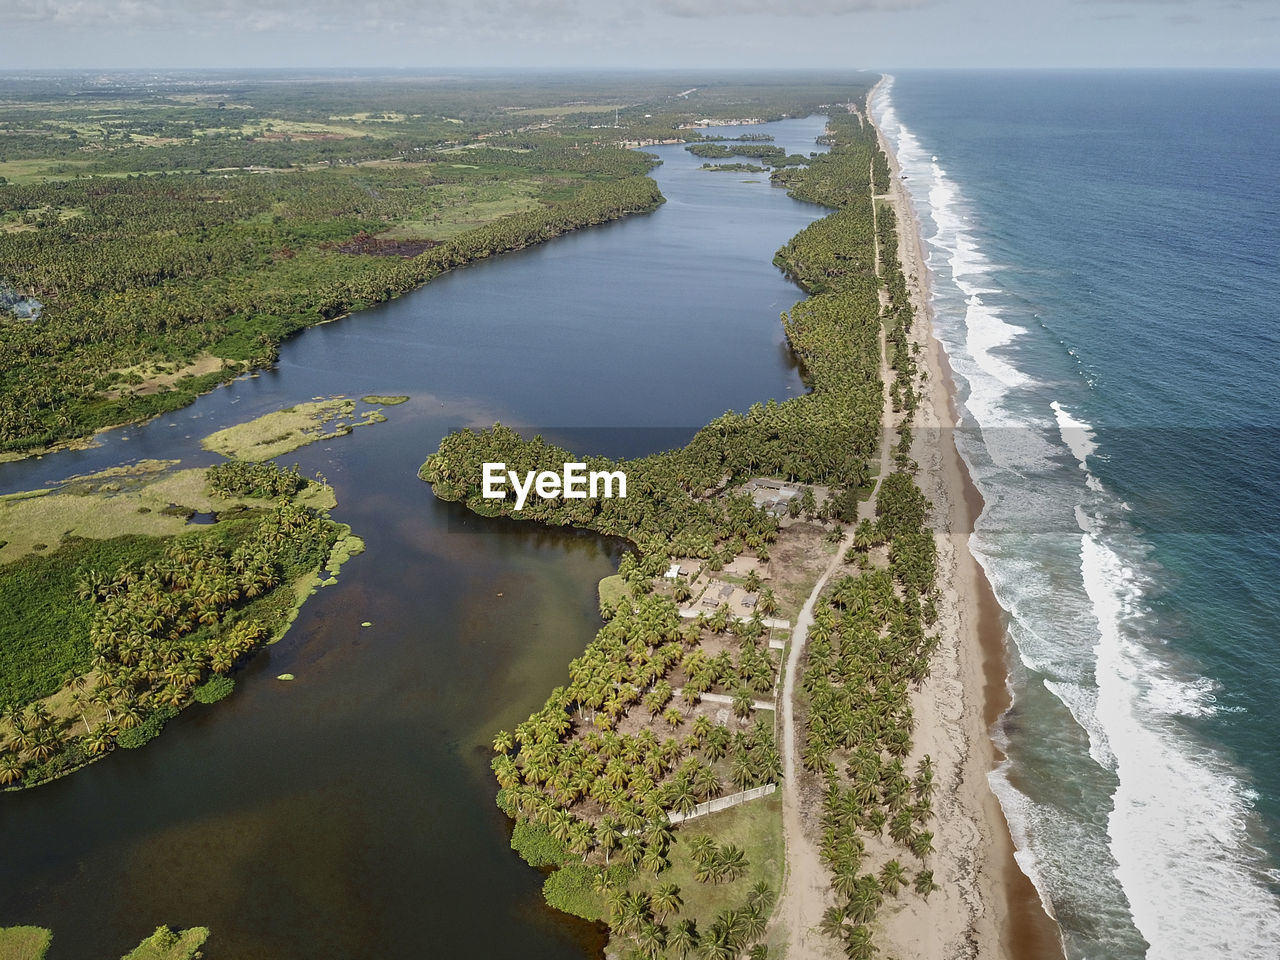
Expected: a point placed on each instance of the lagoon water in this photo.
(350, 813)
(1105, 251)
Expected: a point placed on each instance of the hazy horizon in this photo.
(574, 35)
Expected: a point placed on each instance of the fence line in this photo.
(723, 803)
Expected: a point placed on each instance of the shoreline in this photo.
(988, 907)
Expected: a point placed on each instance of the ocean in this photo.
(1105, 259)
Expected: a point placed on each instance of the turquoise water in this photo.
(1105, 252)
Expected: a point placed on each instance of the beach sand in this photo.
(986, 906)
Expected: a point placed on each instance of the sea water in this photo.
(1105, 260)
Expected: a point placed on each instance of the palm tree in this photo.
(716, 944)
(706, 782)
(892, 876)
(607, 836)
(754, 923)
(77, 704)
(101, 741)
(702, 848)
(858, 945)
(631, 849)
(866, 900)
(733, 862)
(129, 716)
(503, 742)
(681, 796)
(666, 899)
(580, 838)
(833, 919)
(845, 882)
(562, 822)
(923, 883)
(634, 913)
(761, 895)
(922, 844)
(654, 860)
(683, 938)
(10, 768)
(652, 939)
(47, 743)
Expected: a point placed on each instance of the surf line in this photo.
(572, 483)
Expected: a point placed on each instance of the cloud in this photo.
(783, 8)
(300, 15)
(310, 15)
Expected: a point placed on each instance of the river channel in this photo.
(350, 813)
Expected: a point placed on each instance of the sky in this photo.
(428, 34)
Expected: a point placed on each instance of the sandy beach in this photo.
(986, 906)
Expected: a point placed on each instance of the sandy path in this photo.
(807, 892)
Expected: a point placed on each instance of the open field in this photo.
(568, 109)
(23, 943)
(454, 209)
(755, 827)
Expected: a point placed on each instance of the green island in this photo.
(32, 943)
(121, 613)
(734, 167)
(773, 157)
(646, 783)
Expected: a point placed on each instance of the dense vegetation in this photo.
(247, 478)
(766, 153)
(870, 640)
(126, 631)
(207, 218)
(164, 269)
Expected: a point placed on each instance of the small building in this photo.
(716, 594)
(772, 496)
(673, 573)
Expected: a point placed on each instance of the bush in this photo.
(569, 890)
(537, 846)
(214, 689)
(245, 478)
(149, 729)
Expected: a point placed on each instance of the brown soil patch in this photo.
(366, 243)
(156, 377)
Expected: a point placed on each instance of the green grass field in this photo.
(168, 944)
(24, 943)
(756, 828)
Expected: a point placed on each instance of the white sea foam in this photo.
(1079, 437)
(1082, 701)
(1177, 838)
(1179, 829)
